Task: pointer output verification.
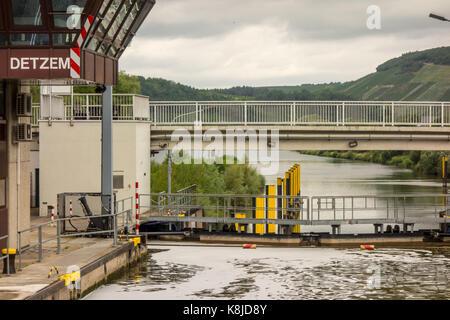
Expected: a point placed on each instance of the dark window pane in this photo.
(3, 39)
(126, 26)
(29, 39)
(2, 100)
(60, 20)
(103, 8)
(112, 10)
(26, 12)
(93, 44)
(112, 51)
(125, 9)
(144, 8)
(63, 39)
(103, 48)
(118, 182)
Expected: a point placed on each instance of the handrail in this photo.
(58, 220)
(290, 113)
(7, 253)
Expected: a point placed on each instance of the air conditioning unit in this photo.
(23, 105)
(23, 132)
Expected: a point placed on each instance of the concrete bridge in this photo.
(310, 125)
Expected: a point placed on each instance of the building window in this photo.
(30, 39)
(2, 192)
(26, 12)
(118, 182)
(63, 39)
(3, 39)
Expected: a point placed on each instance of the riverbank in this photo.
(427, 163)
(96, 260)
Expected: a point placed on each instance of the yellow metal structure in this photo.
(70, 277)
(296, 192)
(271, 207)
(284, 193)
(239, 216)
(290, 187)
(259, 214)
(9, 251)
(444, 166)
(136, 241)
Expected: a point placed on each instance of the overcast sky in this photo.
(224, 43)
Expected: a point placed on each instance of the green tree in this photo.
(128, 84)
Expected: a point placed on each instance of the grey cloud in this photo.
(214, 43)
(305, 19)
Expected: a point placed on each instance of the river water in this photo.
(195, 271)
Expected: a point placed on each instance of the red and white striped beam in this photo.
(137, 208)
(75, 53)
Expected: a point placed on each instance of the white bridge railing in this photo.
(336, 113)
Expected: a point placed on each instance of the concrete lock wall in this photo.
(95, 273)
(70, 158)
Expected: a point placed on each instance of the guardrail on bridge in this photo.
(290, 113)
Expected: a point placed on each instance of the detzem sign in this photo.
(34, 64)
(43, 64)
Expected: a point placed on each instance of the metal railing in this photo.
(163, 200)
(324, 210)
(87, 107)
(35, 114)
(223, 208)
(334, 113)
(123, 210)
(396, 208)
(6, 257)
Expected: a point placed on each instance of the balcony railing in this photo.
(88, 107)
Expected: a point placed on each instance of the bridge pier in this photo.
(406, 225)
(336, 229)
(378, 228)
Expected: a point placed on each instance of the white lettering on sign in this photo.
(53, 63)
(15, 63)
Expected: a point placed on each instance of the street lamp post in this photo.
(435, 16)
